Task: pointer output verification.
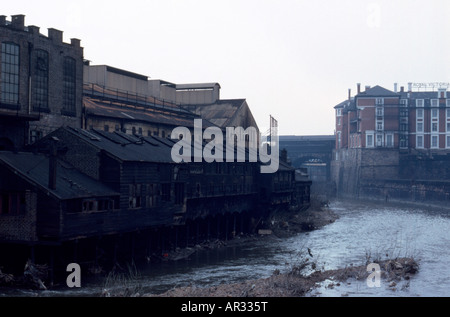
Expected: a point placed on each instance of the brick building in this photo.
(404, 120)
(41, 82)
(390, 136)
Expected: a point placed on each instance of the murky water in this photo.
(381, 231)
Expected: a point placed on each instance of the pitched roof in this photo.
(218, 113)
(120, 111)
(378, 91)
(126, 147)
(70, 183)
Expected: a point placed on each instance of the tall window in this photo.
(389, 140)
(10, 73)
(40, 82)
(419, 127)
(419, 141)
(69, 85)
(369, 140)
(434, 141)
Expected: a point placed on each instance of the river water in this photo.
(379, 230)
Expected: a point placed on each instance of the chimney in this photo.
(75, 42)
(53, 162)
(367, 87)
(402, 89)
(2, 20)
(18, 22)
(359, 88)
(33, 29)
(395, 87)
(55, 35)
(349, 94)
(409, 87)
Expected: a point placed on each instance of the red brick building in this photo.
(380, 118)
(394, 144)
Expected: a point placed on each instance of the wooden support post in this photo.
(32, 254)
(197, 234)
(115, 247)
(226, 227)
(218, 227)
(52, 265)
(75, 251)
(132, 246)
(208, 229)
(187, 235)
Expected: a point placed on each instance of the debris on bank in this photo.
(296, 284)
(34, 276)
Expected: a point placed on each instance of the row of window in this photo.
(134, 130)
(379, 140)
(434, 121)
(10, 74)
(434, 141)
(433, 103)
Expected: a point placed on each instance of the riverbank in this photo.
(302, 277)
(296, 284)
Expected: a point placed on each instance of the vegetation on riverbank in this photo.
(295, 283)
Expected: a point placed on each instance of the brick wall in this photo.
(30, 41)
(20, 227)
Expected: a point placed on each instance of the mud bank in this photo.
(296, 284)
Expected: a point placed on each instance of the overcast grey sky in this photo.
(292, 59)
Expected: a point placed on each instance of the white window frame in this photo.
(417, 127)
(339, 134)
(447, 141)
(434, 102)
(391, 136)
(434, 120)
(370, 144)
(435, 111)
(417, 114)
(404, 102)
(447, 119)
(379, 140)
(447, 103)
(379, 111)
(379, 122)
(434, 137)
(379, 101)
(420, 103)
(417, 141)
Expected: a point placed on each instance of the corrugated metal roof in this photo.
(121, 111)
(218, 113)
(127, 147)
(70, 183)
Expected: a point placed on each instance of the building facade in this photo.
(41, 82)
(387, 142)
(404, 120)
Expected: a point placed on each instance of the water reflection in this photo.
(363, 230)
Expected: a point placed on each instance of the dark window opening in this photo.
(12, 203)
(69, 85)
(40, 82)
(165, 196)
(135, 196)
(179, 193)
(35, 136)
